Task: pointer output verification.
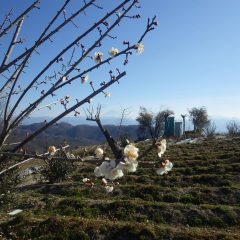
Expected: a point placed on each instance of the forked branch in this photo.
(111, 142)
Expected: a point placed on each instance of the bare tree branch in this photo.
(29, 156)
(48, 36)
(29, 55)
(13, 42)
(57, 85)
(5, 31)
(6, 19)
(16, 109)
(111, 142)
(85, 100)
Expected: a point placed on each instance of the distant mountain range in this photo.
(76, 132)
(82, 120)
(68, 133)
(219, 121)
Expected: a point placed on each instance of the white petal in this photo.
(97, 172)
(85, 180)
(115, 174)
(99, 152)
(161, 171)
(169, 166)
(131, 167)
(104, 181)
(109, 189)
(14, 212)
(121, 166)
(105, 168)
(113, 163)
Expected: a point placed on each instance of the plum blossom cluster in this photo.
(166, 165)
(107, 187)
(88, 183)
(112, 170)
(139, 47)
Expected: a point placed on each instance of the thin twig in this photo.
(34, 5)
(56, 119)
(30, 53)
(6, 19)
(55, 87)
(13, 42)
(47, 37)
(29, 156)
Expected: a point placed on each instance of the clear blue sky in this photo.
(192, 59)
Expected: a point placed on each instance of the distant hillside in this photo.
(73, 135)
(81, 120)
(219, 121)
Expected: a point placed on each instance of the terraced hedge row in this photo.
(199, 199)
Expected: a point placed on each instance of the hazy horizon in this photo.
(220, 122)
(191, 60)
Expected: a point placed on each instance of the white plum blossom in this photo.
(130, 157)
(84, 79)
(130, 152)
(99, 152)
(119, 14)
(139, 48)
(107, 94)
(67, 98)
(166, 167)
(109, 189)
(85, 180)
(52, 150)
(64, 79)
(108, 170)
(104, 181)
(113, 52)
(98, 57)
(161, 147)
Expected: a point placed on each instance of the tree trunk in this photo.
(111, 142)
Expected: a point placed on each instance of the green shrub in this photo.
(56, 170)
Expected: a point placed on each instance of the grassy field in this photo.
(199, 199)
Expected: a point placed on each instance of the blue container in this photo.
(169, 127)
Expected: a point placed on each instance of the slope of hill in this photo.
(199, 199)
